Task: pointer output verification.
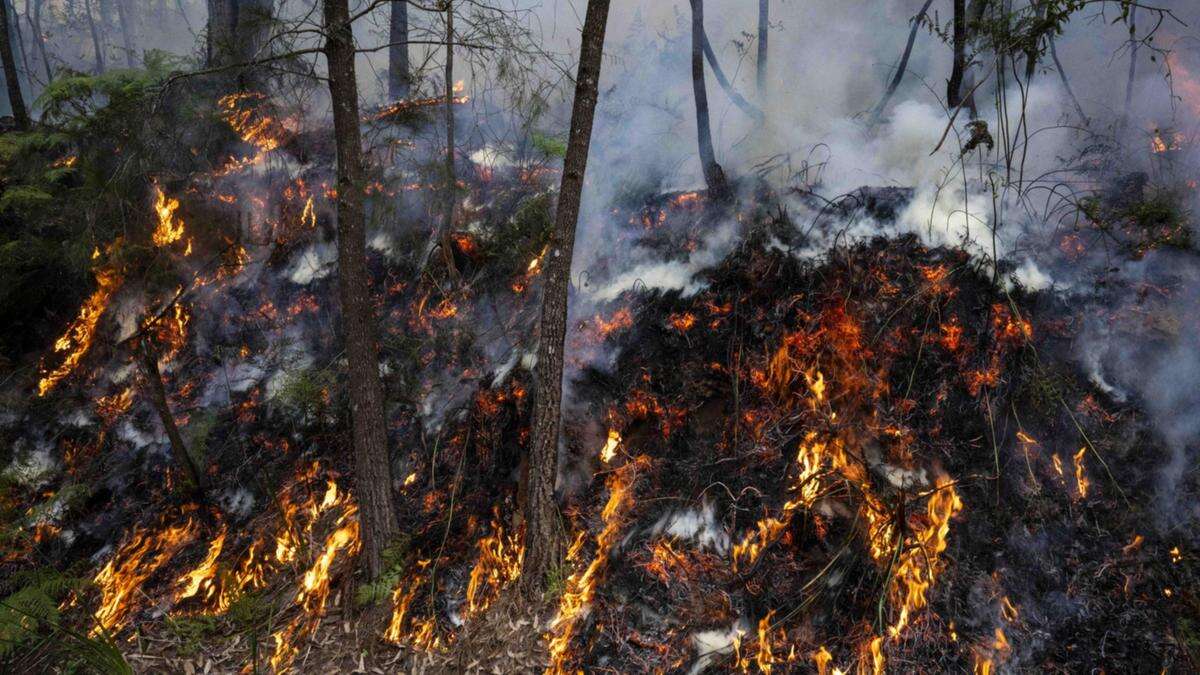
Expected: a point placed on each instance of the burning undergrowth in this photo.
(878, 459)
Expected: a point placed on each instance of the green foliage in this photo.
(30, 612)
(197, 435)
(394, 564)
(249, 612)
(191, 631)
(305, 392)
(556, 580)
(551, 146)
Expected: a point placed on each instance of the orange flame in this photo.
(77, 340)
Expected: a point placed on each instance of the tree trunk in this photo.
(1133, 50)
(764, 24)
(447, 244)
(738, 100)
(96, 43)
(398, 76)
(35, 24)
(543, 528)
(372, 466)
(877, 113)
(1062, 75)
(237, 30)
(158, 398)
(714, 175)
(126, 22)
(959, 42)
(11, 77)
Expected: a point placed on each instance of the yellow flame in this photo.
(170, 229)
(77, 339)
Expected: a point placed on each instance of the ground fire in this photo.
(490, 348)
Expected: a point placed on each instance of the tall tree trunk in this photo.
(959, 42)
(158, 398)
(237, 31)
(97, 45)
(398, 76)
(738, 100)
(447, 244)
(1062, 75)
(126, 21)
(764, 24)
(1133, 50)
(35, 25)
(372, 466)
(714, 175)
(543, 528)
(11, 77)
(902, 67)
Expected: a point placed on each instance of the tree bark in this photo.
(543, 528)
(1062, 75)
(96, 43)
(398, 75)
(126, 22)
(902, 67)
(11, 77)
(738, 100)
(237, 30)
(959, 43)
(372, 466)
(35, 24)
(714, 175)
(1133, 50)
(447, 244)
(764, 24)
(158, 398)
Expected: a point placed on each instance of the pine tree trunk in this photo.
(543, 528)
(236, 31)
(954, 84)
(764, 24)
(96, 43)
(451, 178)
(398, 77)
(901, 67)
(714, 175)
(11, 77)
(126, 22)
(158, 398)
(39, 39)
(372, 466)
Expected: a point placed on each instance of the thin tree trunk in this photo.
(1062, 75)
(738, 100)
(126, 22)
(18, 37)
(714, 175)
(36, 27)
(764, 24)
(96, 44)
(902, 67)
(1031, 53)
(451, 178)
(1133, 50)
(543, 528)
(11, 77)
(974, 19)
(372, 466)
(398, 76)
(959, 41)
(158, 398)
